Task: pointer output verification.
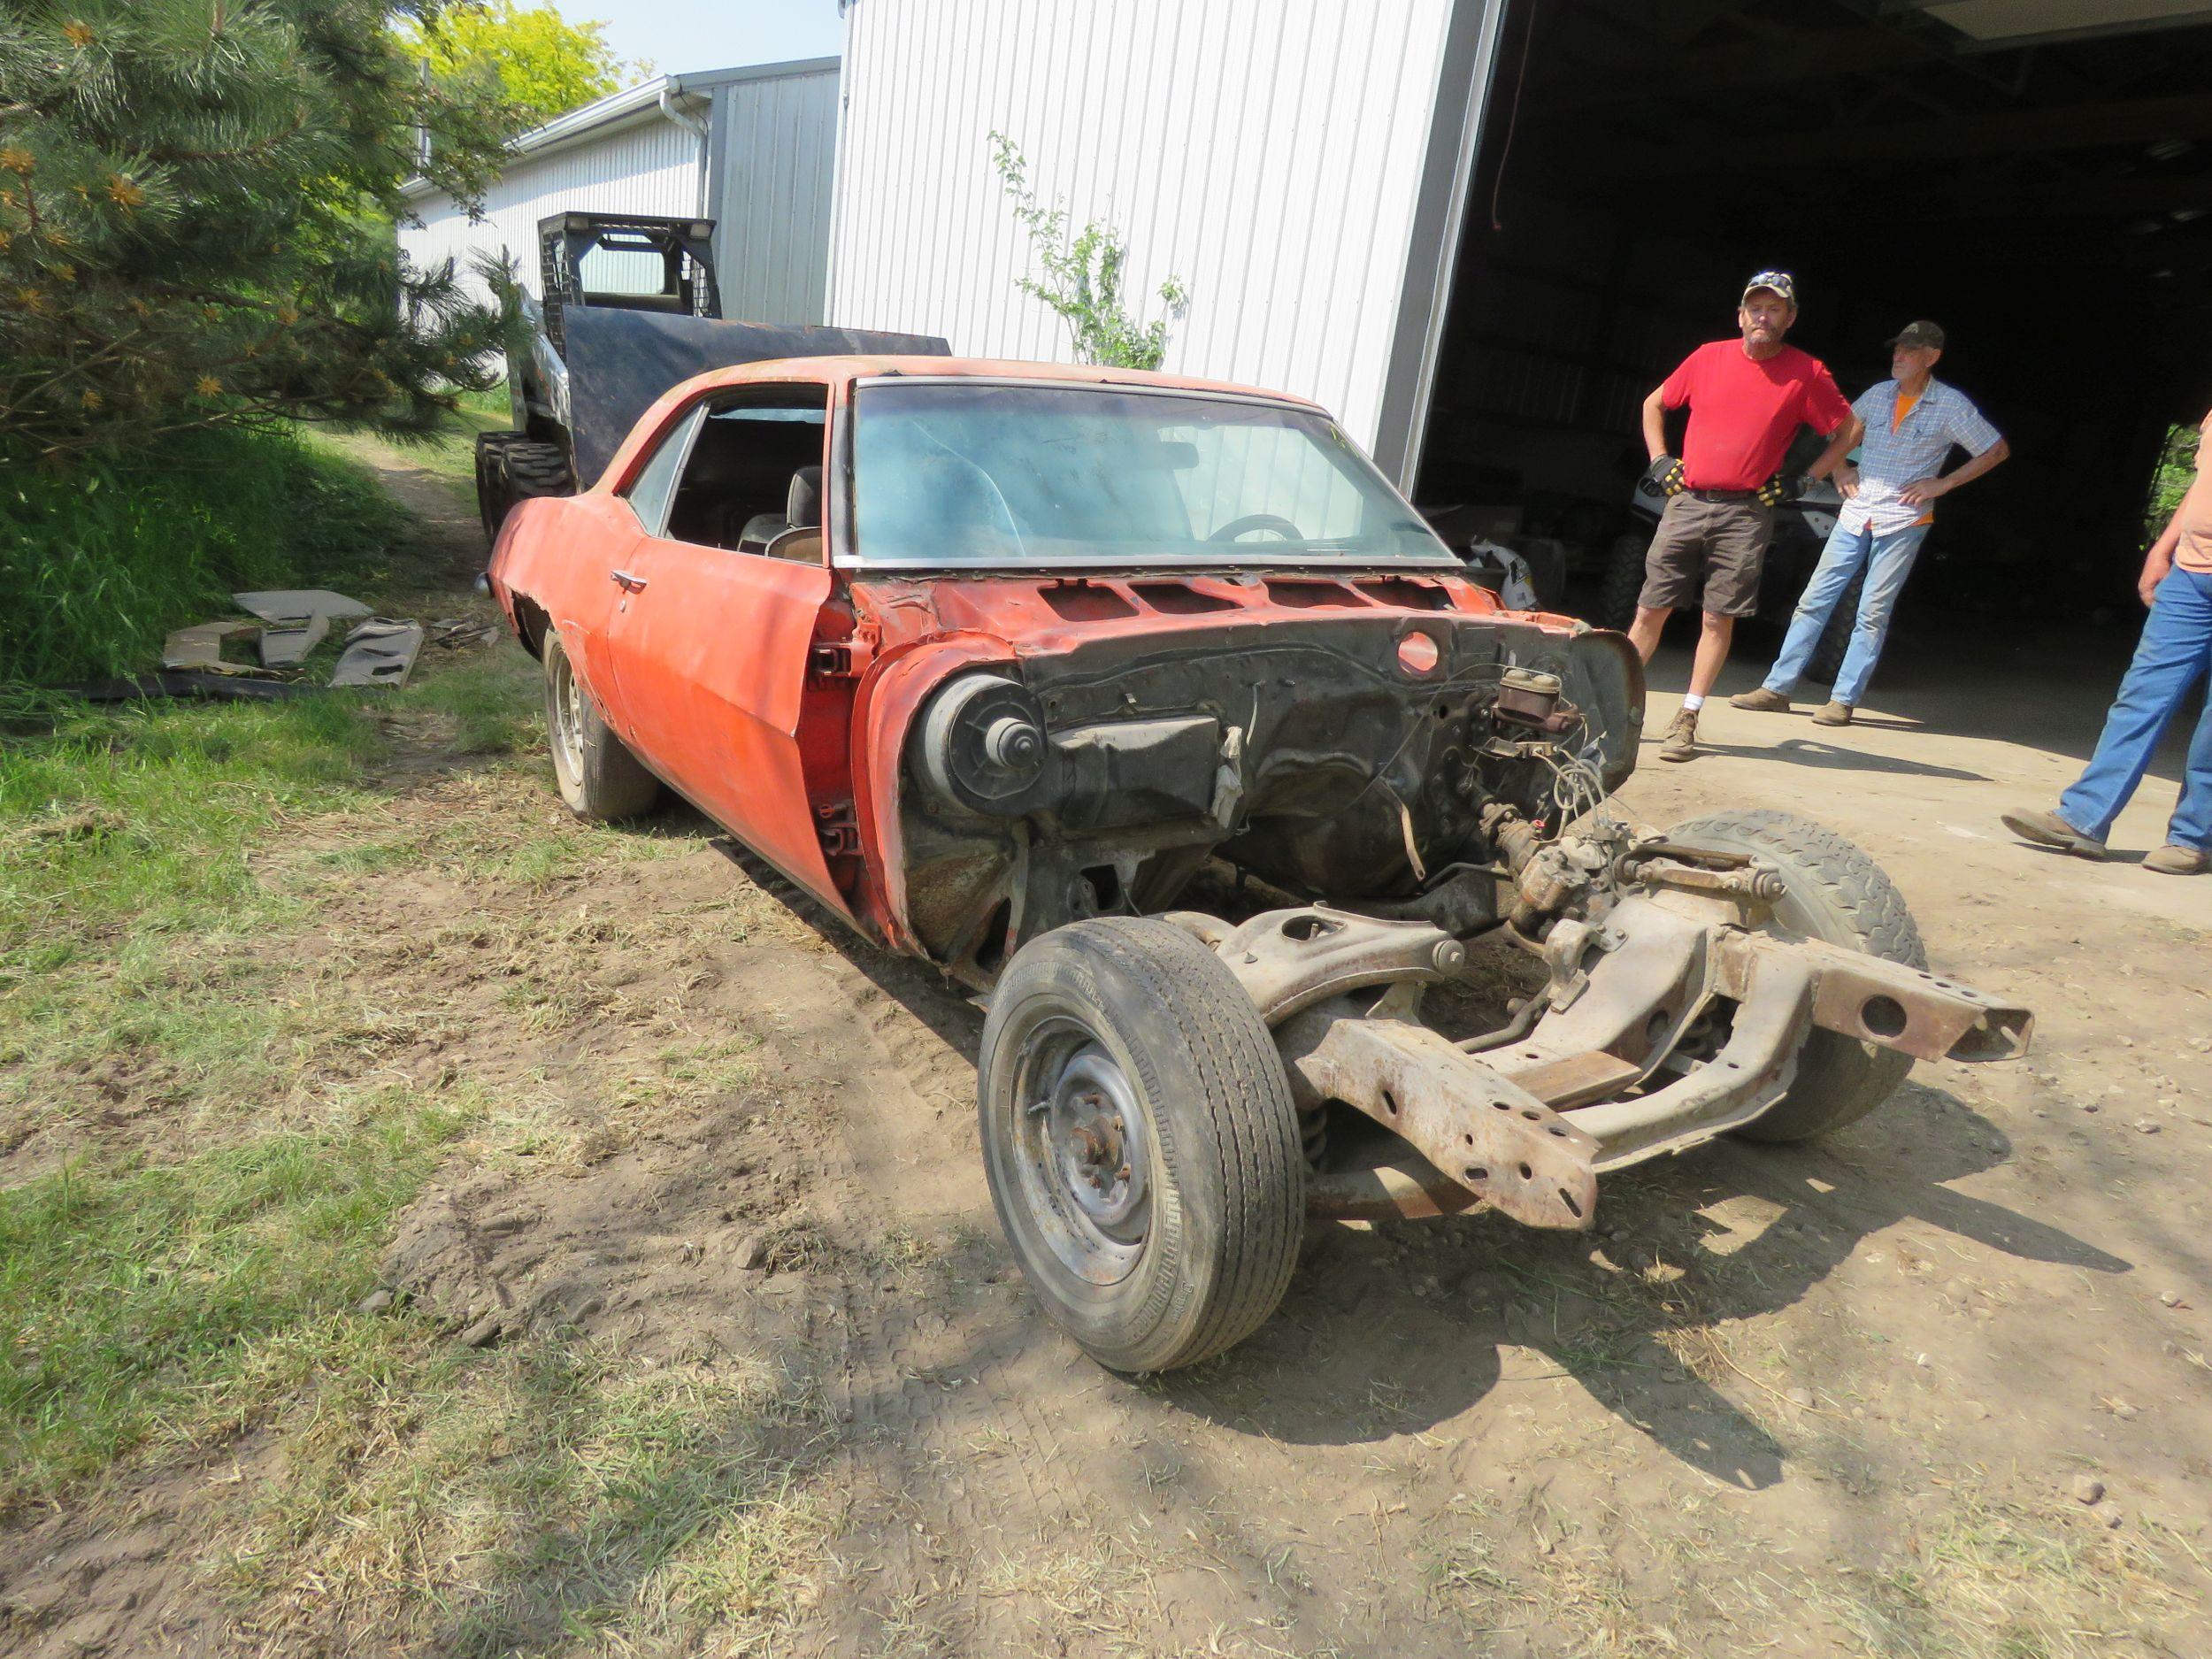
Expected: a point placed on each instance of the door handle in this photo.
(628, 583)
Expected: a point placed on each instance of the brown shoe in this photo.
(1761, 702)
(1832, 714)
(1681, 743)
(2047, 829)
(2174, 859)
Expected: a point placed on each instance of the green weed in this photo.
(101, 557)
(137, 1297)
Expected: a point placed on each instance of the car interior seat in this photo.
(801, 535)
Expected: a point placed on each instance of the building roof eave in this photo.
(633, 104)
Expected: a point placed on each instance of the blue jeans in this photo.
(1892, 556)
(2175, 652)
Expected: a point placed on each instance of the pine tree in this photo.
(196, 199)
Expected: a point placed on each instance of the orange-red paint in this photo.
(712, 674)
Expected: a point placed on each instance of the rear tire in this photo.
(599, 778)
(1142, 1149)
(1838, 895)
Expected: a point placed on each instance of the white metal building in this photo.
(751, 149)
(1297, 164)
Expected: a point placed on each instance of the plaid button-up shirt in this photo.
(1891, 457)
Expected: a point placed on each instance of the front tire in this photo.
(599, 778)
(1140, 1142)
(1836, 894)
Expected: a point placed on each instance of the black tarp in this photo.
(619, 362)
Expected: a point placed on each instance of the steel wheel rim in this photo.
(568, 718)
(1083, 1152)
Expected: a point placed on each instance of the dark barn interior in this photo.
(2035, 175)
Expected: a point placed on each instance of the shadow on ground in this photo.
(1400, 1328)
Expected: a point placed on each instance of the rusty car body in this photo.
(1148, 709)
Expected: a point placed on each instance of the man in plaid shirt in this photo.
(1911, 423)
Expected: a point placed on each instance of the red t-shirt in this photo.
(1744, 410)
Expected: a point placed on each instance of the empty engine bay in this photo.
(1346, 761)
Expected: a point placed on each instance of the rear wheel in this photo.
(598, 777)
(1141, 1146)
(1834, 892)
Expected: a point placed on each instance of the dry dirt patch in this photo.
(756, 1375)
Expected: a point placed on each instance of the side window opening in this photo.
(753, 481)
(648, 491)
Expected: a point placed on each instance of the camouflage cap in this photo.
(1776, 281)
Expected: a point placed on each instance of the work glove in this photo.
(1784, 486)
(1664, 475)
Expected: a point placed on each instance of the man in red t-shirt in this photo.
(1746, 399)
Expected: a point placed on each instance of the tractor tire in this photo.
(1624, 581)
(529, 468)
(1141, 1146)
(491, 480)
(599, 778)
(1836, 894)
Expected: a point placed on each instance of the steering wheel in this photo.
(1274, 521)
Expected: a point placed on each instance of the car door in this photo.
(632, 523)
(711, 643)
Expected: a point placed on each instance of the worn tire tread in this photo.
(1249, 1116)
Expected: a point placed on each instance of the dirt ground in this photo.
(1808, 1400)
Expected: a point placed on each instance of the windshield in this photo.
(973, 473)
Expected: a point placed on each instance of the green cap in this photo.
(1920, 334)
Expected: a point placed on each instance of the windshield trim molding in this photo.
(1053, 570)
(1267, 400)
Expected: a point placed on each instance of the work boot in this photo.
(1761, 702)
(1832, 714)
(1681, 743)
(2174, 859)
(2047, 829)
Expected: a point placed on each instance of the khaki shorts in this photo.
(1723, 542)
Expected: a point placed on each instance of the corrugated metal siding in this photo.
(1267, 152)
(650, 167)
(774, 141)
(778, 141)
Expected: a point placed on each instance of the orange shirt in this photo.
(2193, 551)
(1905, 401)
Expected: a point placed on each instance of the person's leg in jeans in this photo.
(1839, 562)
(1885, 575)
(2191, 825)
(2171, 657)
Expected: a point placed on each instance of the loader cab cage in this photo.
(637, 263)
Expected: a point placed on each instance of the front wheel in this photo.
(1832, 892)
(1140, 1142)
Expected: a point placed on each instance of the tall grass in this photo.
(100, 559)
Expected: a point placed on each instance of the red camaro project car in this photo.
(1148, 709)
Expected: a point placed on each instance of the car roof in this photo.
(840, 371)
